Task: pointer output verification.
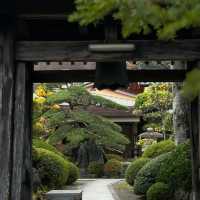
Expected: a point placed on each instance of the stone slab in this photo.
(64, 195)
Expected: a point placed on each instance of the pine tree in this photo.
(72, 123)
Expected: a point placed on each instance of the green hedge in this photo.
(159, 191)
(176, 169)
(38, 143)
(52, 168)
(73, 173)
(159, 148)
(134, 168)
(97, 169)
(113, 168)
(148, 174)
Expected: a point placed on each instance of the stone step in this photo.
(64, 195)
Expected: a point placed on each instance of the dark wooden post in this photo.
(195, 141)
(195, 148)
(7, 71)
(15, 116)
(22, 138)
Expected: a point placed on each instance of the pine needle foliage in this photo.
(81, 125)
(74, 125)
(79, 96)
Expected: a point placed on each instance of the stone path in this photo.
(99, 189)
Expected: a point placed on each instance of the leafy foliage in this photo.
(155, 97)
(155, 102)
(141, 16)
(38, 143)
(112, 168)
(159, 148)
(145, 142)
(164, 17)
(73, 173)
(148, 174)
(191, 86)
(134, 168)
(176, 169)
(96, 168)
(159, 191)
(53, 169)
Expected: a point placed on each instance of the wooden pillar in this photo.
(195, 142)
(7, 71)
(195, 148)
(22, 138)
(15, 123)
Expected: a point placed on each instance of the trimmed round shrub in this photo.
(38, 143)
(73, 173)
(97, 169)
(159, 148)
(148, 174)
(176, 169)
(159, 191)
(134, 168)
(112, 168)
(53, 169)
(114, 156)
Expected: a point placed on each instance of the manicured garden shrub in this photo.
(114, 156)
(38, 143)
(96, 168)
(52, 168)
(112, 168)
(148, 174)
(134, 168)
(125, 166)
(73, 173)
(159, 191)
(159, 148)
(176, 169)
